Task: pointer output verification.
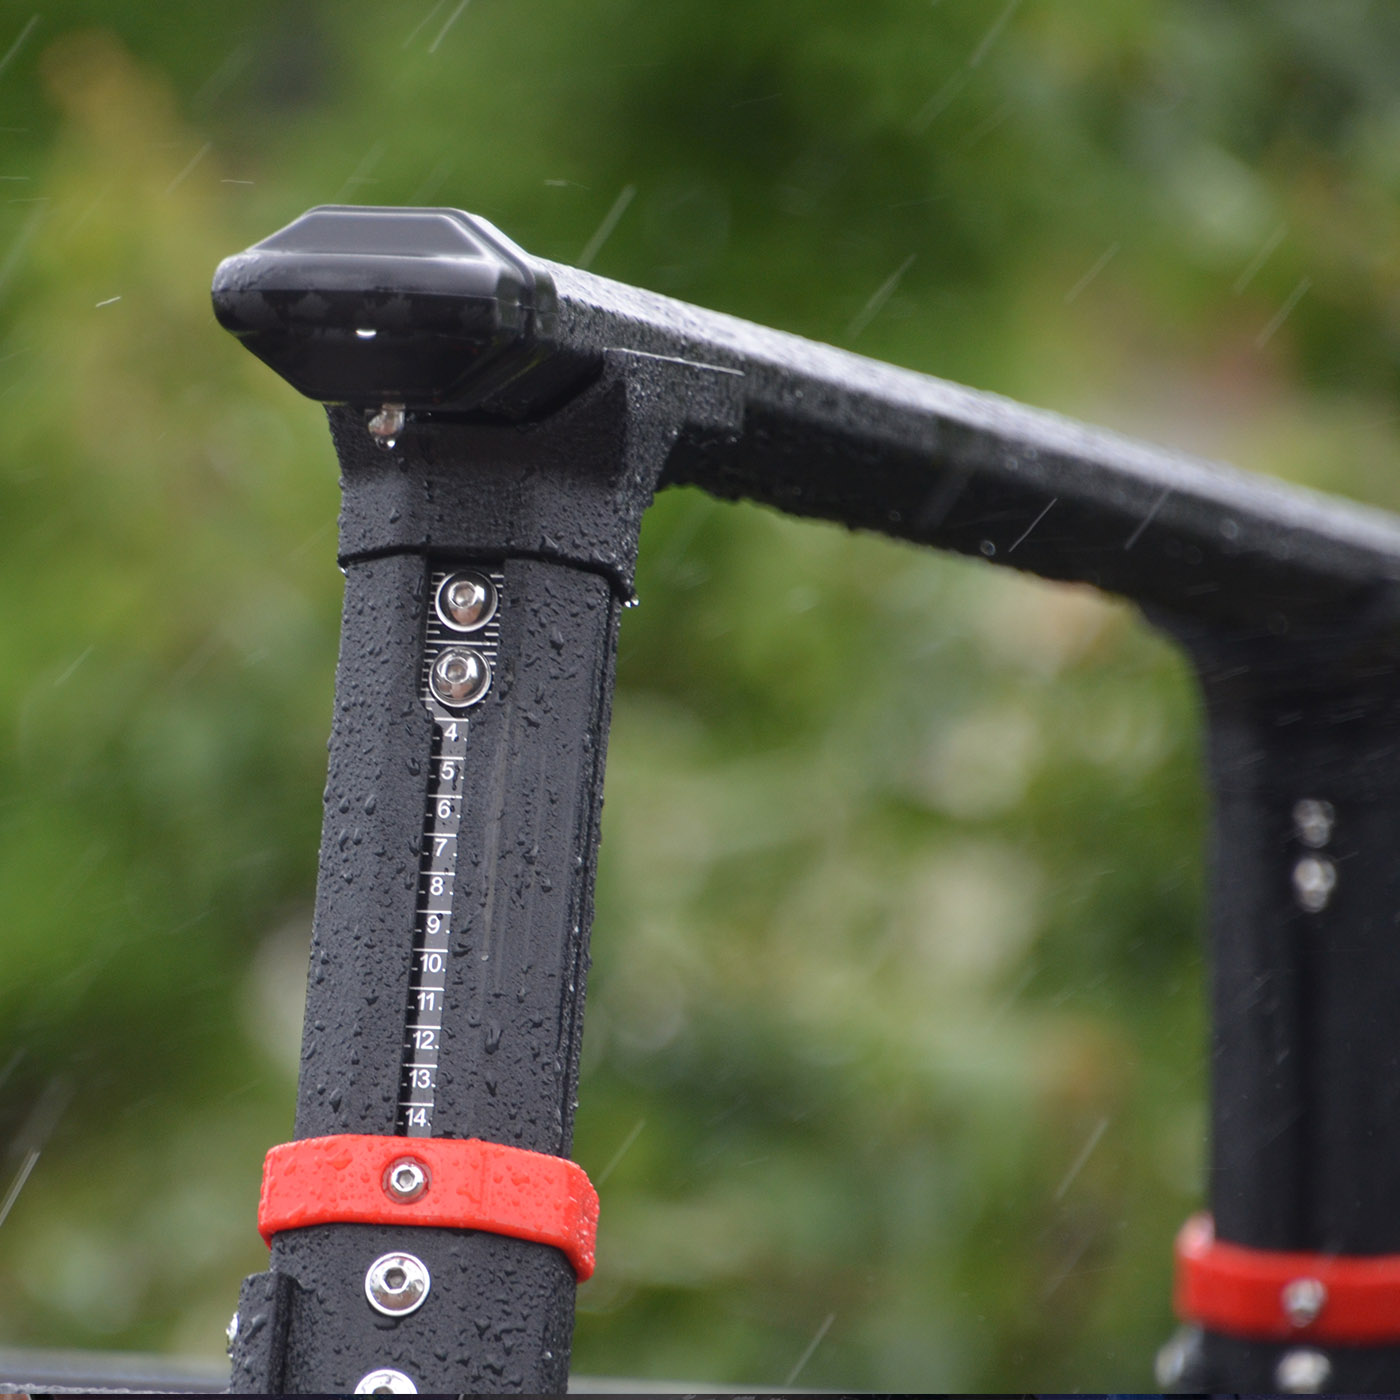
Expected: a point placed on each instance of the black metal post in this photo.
(549, 512)
(532, 411)
(1304, 758)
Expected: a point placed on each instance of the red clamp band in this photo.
(1271, 1295)
(461, 1183)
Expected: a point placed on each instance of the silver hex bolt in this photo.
(385, 1381)
(1312, 821)
(460, 677)
(466, 601)
(386, 425)
(397, 1283)
(1303, 1372)
(1303, 1300)
(405, 1179)
(1314, 879)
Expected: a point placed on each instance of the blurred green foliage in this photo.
(895, 1039)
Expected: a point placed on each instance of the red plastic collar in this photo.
(1270, 1295)
(471, 1185)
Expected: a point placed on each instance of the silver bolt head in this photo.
(460, 677)
(406, 1179)
(231, 1331)
(1303, 1300)
(386, 425)
(1303, 1372)
(1313, 821)
(385, 1381)
(466, 601)
(1314, 879)
(397, 1283)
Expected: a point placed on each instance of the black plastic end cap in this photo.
(431, 308)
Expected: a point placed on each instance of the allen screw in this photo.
(466, 601)
(406, 1179)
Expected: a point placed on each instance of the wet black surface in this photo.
(500, 1312)
(1287, 602)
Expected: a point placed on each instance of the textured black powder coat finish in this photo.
(570, 488)
(259, 1347)
(371, 842)
(1306, 1039)
(532, 787)
(831, 434)
(1252, 1368)
(1288, 603)
(498, 1318)
(499, 1315)
(523, 901)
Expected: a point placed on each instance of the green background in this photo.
(895, 1036)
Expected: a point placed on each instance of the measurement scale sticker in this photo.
(459, 656)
